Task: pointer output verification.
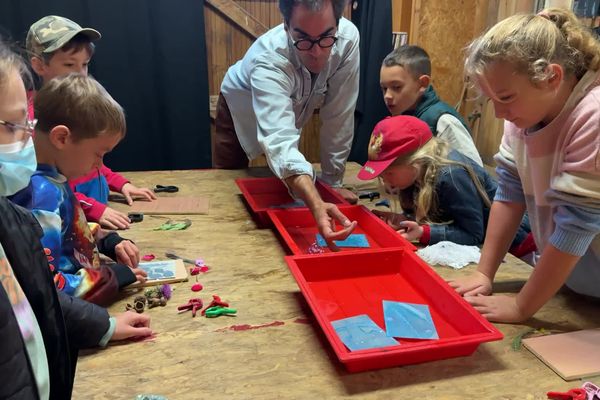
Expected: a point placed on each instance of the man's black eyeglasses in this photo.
(324, 42)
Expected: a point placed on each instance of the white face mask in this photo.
(17, 164)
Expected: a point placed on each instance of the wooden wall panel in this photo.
(443, 29)
(487, 129)
(401, 15)
(227, 43)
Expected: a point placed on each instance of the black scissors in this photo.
(135, 217)
(166, 189)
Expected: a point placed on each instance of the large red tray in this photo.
(342, 285)
(263, 194)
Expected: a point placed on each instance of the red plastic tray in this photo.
(263, 194)
(298, 229)
(342, 285)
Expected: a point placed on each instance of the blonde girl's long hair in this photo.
(431, 158)
(532, 42)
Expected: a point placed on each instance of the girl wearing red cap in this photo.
(444, 195)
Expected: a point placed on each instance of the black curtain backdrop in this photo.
(152, 60)
(374, 21)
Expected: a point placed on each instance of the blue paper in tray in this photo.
(354, 240)
(407, 320)
(360, 332)
(294, 204)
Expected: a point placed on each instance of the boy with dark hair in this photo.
(406, 84)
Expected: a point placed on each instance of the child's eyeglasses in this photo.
(21, 132)
(324, 42)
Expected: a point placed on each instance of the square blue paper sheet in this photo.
(159, 269)
(354, 240)
(360, 332)
(408, 320)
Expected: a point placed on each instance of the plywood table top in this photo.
(274, 348)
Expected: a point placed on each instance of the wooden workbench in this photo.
(200, 358)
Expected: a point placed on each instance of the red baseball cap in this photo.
(393, 137)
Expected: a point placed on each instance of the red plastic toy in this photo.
(194, 304)
(216, 302)
(573, 394)
(196, 287)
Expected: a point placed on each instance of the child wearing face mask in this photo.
(542, 73)
(41, 329)
(444, 194)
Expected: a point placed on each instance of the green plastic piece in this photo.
(213, 312)
(174, 226)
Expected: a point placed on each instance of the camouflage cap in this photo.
(53, 32)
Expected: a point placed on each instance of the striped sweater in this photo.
(555, 171)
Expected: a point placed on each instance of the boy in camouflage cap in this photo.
(58, 46)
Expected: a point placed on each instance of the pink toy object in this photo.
(148, 257)
(315, 249)
(196, 287)
(197, 270)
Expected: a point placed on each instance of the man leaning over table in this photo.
(309, 62)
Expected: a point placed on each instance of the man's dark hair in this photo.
(287, 6)
(412, 58)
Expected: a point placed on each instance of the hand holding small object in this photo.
(410, 230)
(130, 324)
(127, 253)
(326, 216)
(392, 219)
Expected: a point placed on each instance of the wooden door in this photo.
(444, 28)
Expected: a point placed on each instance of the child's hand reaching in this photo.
(129, 190)
(390, 218)
(130, 324)
(348, 195)
(410, 230)
(497, 308)
(127, 253)
(473, 285)
(113, 219)
(140, 275)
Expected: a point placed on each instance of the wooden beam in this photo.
(413, 36)
(237, 14)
